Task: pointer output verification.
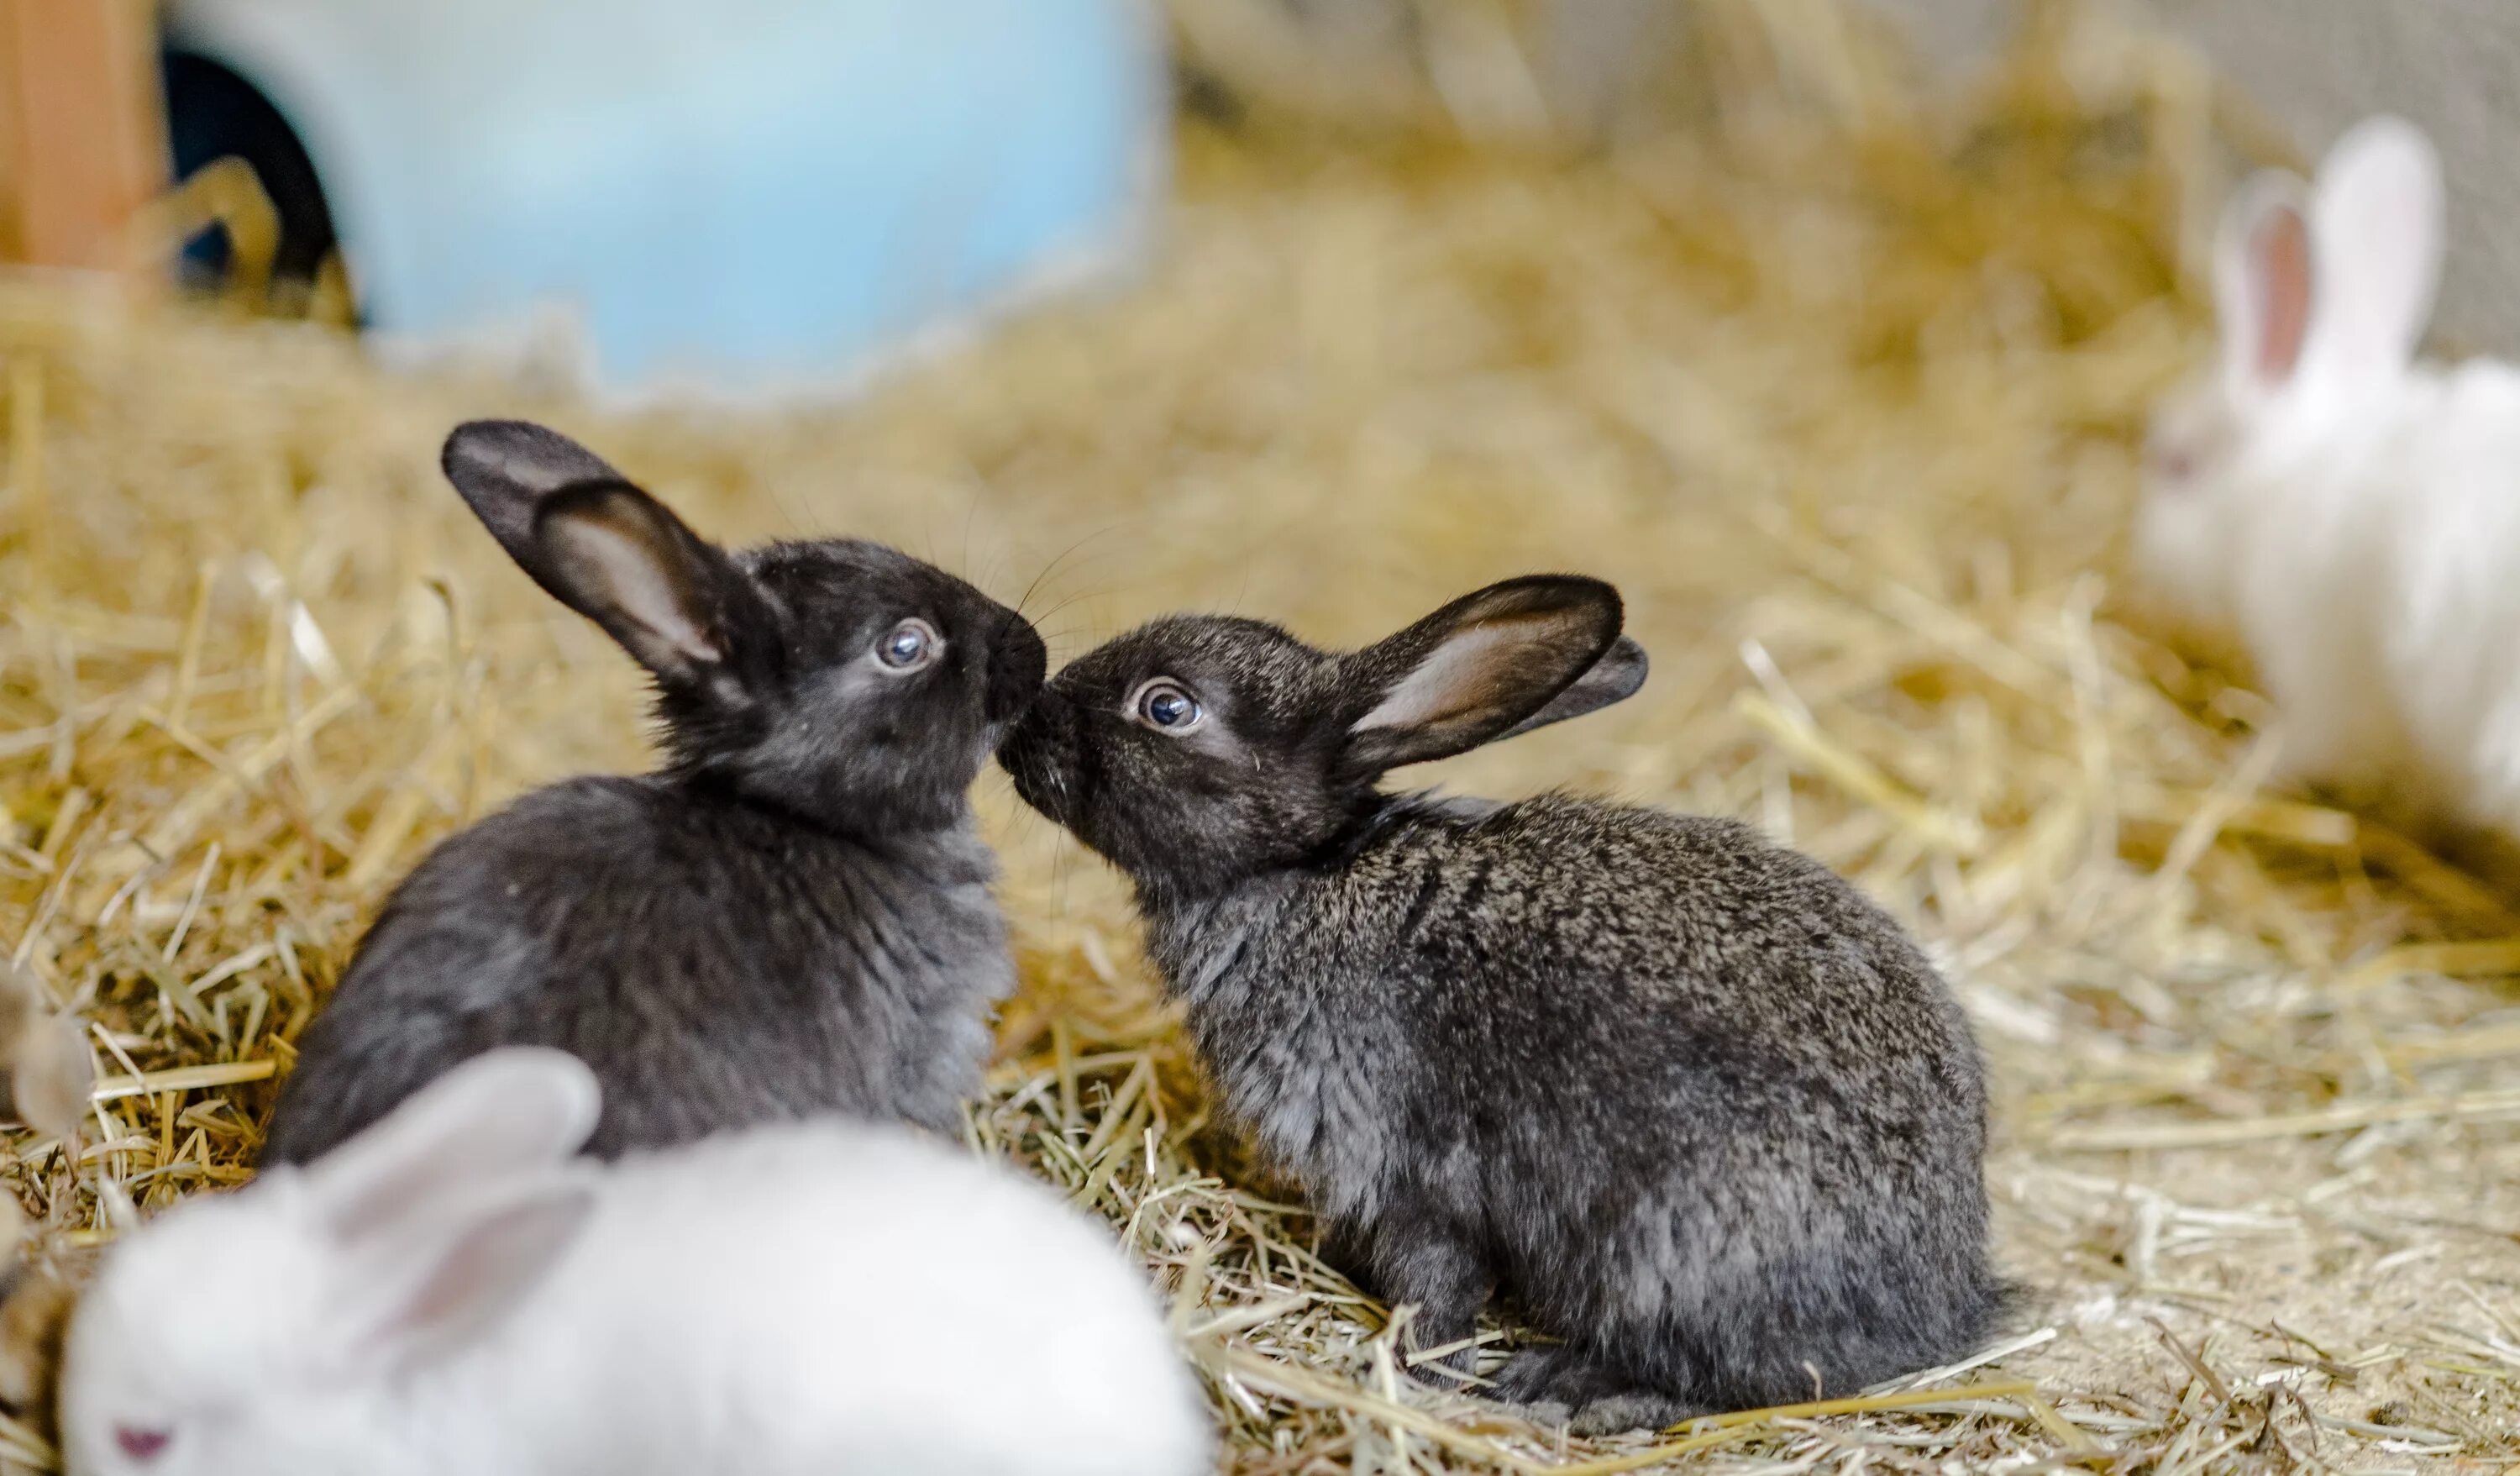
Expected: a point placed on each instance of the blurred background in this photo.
(1828, 329)
(819, 182)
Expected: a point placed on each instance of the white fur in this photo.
(2353, 516)
(806, 1298)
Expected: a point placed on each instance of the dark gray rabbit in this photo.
(793, 916)
(1704, 1111)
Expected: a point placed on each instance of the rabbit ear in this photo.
(516, 1108)
(423, 1288)
(1611, 680)
(505, 468)
(1476, 669)
(52, 1076)
(674, 600)
(2376, 223)
(607, 550)
(2262, 284)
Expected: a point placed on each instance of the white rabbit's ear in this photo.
(509, 1110)
(2261, 285)
(2376, 222)
(420, 1289)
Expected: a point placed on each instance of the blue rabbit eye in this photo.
(1166, 707)
(908, 646)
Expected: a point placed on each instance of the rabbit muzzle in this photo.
(1018, 666)
(1044, 754)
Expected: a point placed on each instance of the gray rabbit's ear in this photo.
(673, 600)
(1484, 667)
(1611, 680)
(610, 552)
(505, 468)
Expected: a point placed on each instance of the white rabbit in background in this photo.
(2352, 516)
(450, 1292)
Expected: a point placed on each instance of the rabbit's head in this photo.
(265, 1330)
(2321, 297)
(1200, 749)
(835, 679)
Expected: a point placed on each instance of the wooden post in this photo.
(82, 129)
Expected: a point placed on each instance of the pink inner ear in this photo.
(2281, 246)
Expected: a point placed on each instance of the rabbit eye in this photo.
(1166, 707)
(907, 646)
(141, 1442)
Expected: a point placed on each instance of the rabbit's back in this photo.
(784, 1297)
(2378, 594)
(1577, 1026)
(1631, 952)
(716, 964)
(2454, 638)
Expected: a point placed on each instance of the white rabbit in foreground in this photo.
(451, 1293)
(2351, 515)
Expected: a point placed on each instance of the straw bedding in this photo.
(1842, 392)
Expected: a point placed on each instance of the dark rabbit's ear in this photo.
(1611, 680)
(607, 550)
(673, 600)
(505, 468)
(1483, 666)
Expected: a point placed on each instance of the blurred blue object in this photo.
(743, 192)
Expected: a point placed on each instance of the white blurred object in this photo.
(451, 1294)
(2351, 515)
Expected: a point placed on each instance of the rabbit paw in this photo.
(1565, 1385)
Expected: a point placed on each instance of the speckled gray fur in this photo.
(793, 917)
(1703, 1111)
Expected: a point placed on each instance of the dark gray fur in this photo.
(1703, 1110)
(794, 915)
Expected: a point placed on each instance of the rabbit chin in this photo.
(1040, 755)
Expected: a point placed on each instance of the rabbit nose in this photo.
(1017, 667)
(1039, 746)
(1049, 716)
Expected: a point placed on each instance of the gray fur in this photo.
(793, 917)
(1700, 1107)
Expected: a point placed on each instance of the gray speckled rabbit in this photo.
(1700, 1106)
